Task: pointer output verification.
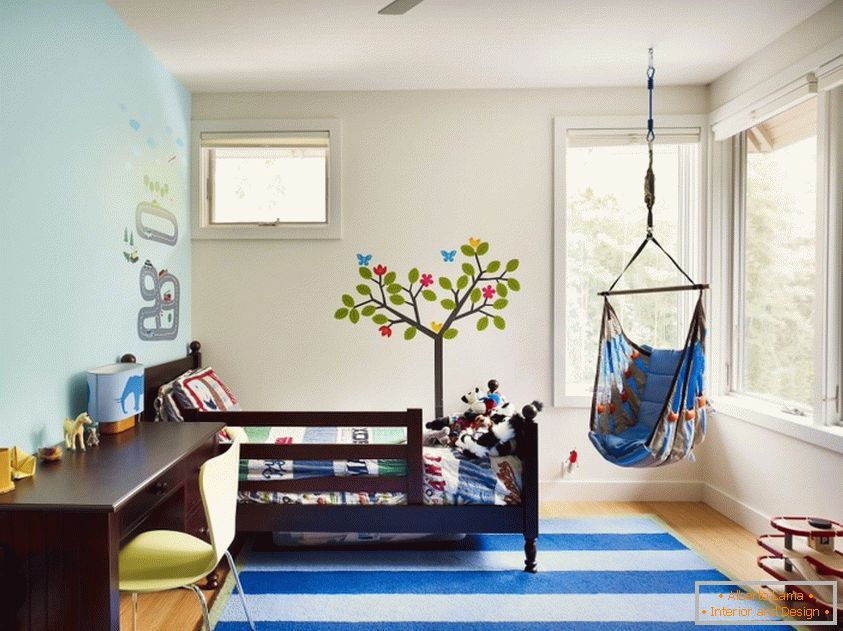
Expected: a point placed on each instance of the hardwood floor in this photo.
(721, 541)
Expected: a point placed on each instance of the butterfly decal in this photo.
(363, 259)
(447, 256)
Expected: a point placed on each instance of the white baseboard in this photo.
(620, 491)
(753, 520)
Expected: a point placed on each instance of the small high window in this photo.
(281, 182)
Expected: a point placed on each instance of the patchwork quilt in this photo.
(450, 478)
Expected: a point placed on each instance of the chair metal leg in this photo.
(239, 588)
(205, 615)
(134, 611)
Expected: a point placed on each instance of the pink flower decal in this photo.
(426, 280)
(379, 270)
(385, 331)
(488, 292)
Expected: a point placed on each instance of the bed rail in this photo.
(412, 483)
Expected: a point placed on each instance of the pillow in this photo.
(203, 390)
(166, 406)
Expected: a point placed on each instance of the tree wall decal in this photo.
(481, 291)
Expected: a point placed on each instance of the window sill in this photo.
(256, 232)
(769, 416)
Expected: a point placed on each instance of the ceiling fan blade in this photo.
(398, 7)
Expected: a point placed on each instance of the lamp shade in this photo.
(115, 392)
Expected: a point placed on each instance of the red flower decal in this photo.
(379, 270)
(385, 331)
(426, 280)
(488, 292)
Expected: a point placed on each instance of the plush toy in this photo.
(493, 398)
(474, 401)
(502, 438)
(482, 411)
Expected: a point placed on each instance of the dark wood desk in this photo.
(60, 532)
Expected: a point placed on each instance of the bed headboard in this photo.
(158, 375)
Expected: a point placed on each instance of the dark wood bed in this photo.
(413, 517)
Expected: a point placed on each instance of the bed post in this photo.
(530, 499)
(195, 353)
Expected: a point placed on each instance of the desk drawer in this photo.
(149, 498)
(193, 500)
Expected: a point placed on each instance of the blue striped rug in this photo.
(594, 574)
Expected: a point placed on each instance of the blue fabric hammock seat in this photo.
(648, 408)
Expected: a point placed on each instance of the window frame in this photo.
(827, 413)
(201, 225)
(691, 258)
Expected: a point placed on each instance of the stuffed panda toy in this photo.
(501, 439)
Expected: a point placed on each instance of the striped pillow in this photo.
(203, 390)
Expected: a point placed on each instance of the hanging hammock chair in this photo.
(648, 407)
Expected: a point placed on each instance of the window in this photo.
(279, 182)
(777, 258)
(785, 275)
(601, 213)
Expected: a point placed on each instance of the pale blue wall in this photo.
(72, 167)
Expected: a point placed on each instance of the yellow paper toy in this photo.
(23, 464)
(6, 483)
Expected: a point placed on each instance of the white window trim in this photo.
(561, 125)
(823, 428)
(201, 228)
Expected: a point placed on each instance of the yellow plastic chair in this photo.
(161, 560)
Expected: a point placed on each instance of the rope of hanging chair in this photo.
(650, 177)
(650, 200)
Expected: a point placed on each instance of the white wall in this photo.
(422, 171)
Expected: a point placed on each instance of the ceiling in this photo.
(260, 45)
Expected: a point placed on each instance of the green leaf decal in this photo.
(512, 265)
(396, 299)
(500, 303)
(347, 300)
(468, 269)
(493, 266)
(467, 250)
(482, 249)
(482, 323)
(410, 333)
(429, 294)
(354, 316)
(462, 282)
(389, 278)
(339, 314)
(368, 310)
(448, 304)
(413, 277)
(500, 323)
(445, 282)
(393, 289)
(380, 319)
(365, 272)
(476, 295)
(364, 289)
(450, 334)
(514, 285)
(502, 290)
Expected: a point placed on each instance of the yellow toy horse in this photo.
(74, 430)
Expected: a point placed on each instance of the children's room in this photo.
(422, 314)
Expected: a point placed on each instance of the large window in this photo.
(604, 221)
(777, 258)
(785, 278)
(267, 179)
